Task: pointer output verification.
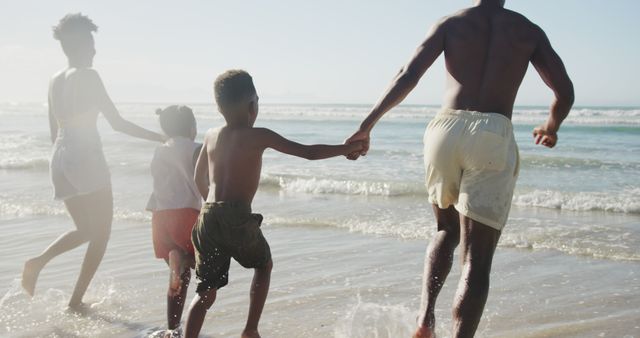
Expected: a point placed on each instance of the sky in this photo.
(302, 51)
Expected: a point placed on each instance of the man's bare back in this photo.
(487, 52)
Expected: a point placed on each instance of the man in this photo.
(471, 157)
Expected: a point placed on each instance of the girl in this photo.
(175, 203)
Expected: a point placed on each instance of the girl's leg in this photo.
(180, 275)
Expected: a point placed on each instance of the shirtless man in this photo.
(471, 157)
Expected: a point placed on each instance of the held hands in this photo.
(354, 147)
(545, 136)
(360, 138)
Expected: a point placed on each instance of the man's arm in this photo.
(201, 173)
(110, 112)
(404, 82)
(553, 73)
(273, 140)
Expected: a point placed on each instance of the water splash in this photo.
(371, 320)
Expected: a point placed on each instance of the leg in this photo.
(99, 207)
(438, 261)
(178, 283)
(258, 296)
(197, 311)
(479, 243)
(177, 267)
(68, 241)
(32, 267)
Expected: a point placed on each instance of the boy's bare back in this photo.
(235, 162)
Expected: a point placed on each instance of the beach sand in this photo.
(326, 282)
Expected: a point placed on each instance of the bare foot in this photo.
(30, 275)
(80, 308)
(250, 334)
(177, 333)
(424, 332)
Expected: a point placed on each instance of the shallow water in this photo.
(348, 237)
(326, 282)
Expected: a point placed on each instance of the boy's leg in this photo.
(258, 296)
(478, 246)
(438, 261)
(197, 311)
(179, 279)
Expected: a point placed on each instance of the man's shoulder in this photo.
(460, 13)
(453, 17)
(461, 17)
(522, 20)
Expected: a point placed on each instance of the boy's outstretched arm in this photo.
(201, 173)
(273, 140)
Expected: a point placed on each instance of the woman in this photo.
(79, 171)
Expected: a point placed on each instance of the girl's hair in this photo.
(177, 120)
(73, 24)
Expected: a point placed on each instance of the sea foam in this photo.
(624, 201)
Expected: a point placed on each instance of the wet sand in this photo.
(326, 282)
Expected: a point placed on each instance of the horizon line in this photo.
(431, 105)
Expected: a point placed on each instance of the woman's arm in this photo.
(53, 123)
(112, 115)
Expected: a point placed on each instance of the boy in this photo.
(231, 161)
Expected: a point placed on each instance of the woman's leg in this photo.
(68, 241)
(98, 207)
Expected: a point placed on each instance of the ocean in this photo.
(348, 238)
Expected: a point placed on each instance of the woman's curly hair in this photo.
(73, 23)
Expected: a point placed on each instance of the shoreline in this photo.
(343, 284)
